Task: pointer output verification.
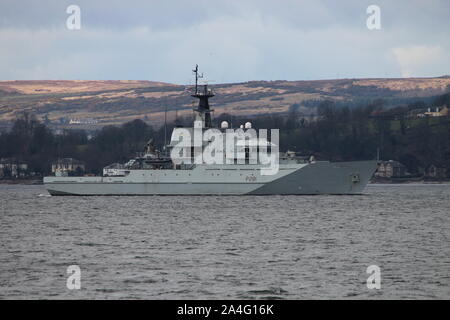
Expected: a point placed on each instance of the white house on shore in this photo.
(390, 169)
(440, 112)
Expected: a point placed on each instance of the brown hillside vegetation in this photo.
(72, 86)
(118, 101)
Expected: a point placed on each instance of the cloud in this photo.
(422, 60)
(228, 49)
(230, 40)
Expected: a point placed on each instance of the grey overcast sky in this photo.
(231, 40)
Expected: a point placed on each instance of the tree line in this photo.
(338, 133)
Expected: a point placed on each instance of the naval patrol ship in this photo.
(156, 173)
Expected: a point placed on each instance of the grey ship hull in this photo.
(321, 177)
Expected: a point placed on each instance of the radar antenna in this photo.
(203, 110)
(197, 76)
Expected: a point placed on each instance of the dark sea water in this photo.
(250, 247)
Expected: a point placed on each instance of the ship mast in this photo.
(203, 112)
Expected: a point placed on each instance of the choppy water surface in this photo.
(286, 247)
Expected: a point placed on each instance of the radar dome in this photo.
(224, 125)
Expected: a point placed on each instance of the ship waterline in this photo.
(319, 177)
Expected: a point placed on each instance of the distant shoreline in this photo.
(34, 181)
(374, 183)
(408, 181)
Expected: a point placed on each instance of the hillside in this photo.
(115, 102)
